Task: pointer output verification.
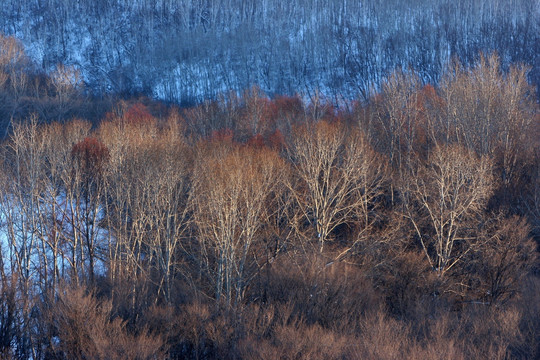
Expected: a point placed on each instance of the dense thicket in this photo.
(192, 50)
(257, 227)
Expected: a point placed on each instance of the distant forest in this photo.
(177, 183)
(189, 51)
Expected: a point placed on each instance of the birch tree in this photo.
(85, 195)
(444, 201)
(337, 176)
(232, 188)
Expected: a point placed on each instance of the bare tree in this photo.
(53, 209)
(146, 212)
(20, 189)
(255, 117)
(492, 112)
(14, 65)
(232, 187)
(443, 200)
(127, 217)
(396, 117)
(164, 200)
(488, 108)
(85, 196)
(338, 176)
(505, 259)
(66, 83)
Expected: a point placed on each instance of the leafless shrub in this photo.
(529, 325)
(297, 341)
(382, 338)
(85, 330)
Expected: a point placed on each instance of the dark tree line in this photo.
(258, 227)
(189, 51)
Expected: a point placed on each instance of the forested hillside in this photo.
(190, 51)
(269, 179)
(403, 225)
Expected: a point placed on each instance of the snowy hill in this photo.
(185, 51)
